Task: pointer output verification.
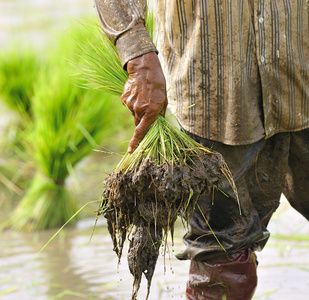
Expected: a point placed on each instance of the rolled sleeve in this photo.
(134, 43)
(119, 19)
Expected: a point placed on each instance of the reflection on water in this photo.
(71, 268)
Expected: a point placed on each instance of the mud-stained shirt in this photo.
(238, 70)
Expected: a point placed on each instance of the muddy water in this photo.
(71, 267)
(35, 21)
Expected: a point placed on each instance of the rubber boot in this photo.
(232, 277)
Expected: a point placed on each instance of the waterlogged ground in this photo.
(71, 267)
(284, 263)
(35, 21)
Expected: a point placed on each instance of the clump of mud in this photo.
(143, 206)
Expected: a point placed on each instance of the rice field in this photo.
(71, 267)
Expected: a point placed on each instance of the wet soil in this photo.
(143, 206)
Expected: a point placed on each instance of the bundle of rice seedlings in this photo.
(13, 174)
(160, 181)
(150, 188)
(18, 70)
(68, 122)
(98, 65)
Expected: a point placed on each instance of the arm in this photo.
(145, 91)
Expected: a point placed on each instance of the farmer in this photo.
(238, 79)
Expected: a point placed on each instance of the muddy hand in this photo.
(144, 94)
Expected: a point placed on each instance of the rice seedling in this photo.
(159, 182)
(149, 189)
(98, 66)
(18, 70)
(68, 123)
(59, 125)
(13, 176)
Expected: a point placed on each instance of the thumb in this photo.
(139, 133)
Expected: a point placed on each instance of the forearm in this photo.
(119, 19)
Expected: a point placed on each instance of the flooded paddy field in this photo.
(71, 267)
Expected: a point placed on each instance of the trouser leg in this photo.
(229, 277)
(217, 227)
(297, 177)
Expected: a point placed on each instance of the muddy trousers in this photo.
(230, 277)
(262, 172)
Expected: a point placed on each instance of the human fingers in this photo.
(140, 131)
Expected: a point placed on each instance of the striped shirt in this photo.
(238, 70)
